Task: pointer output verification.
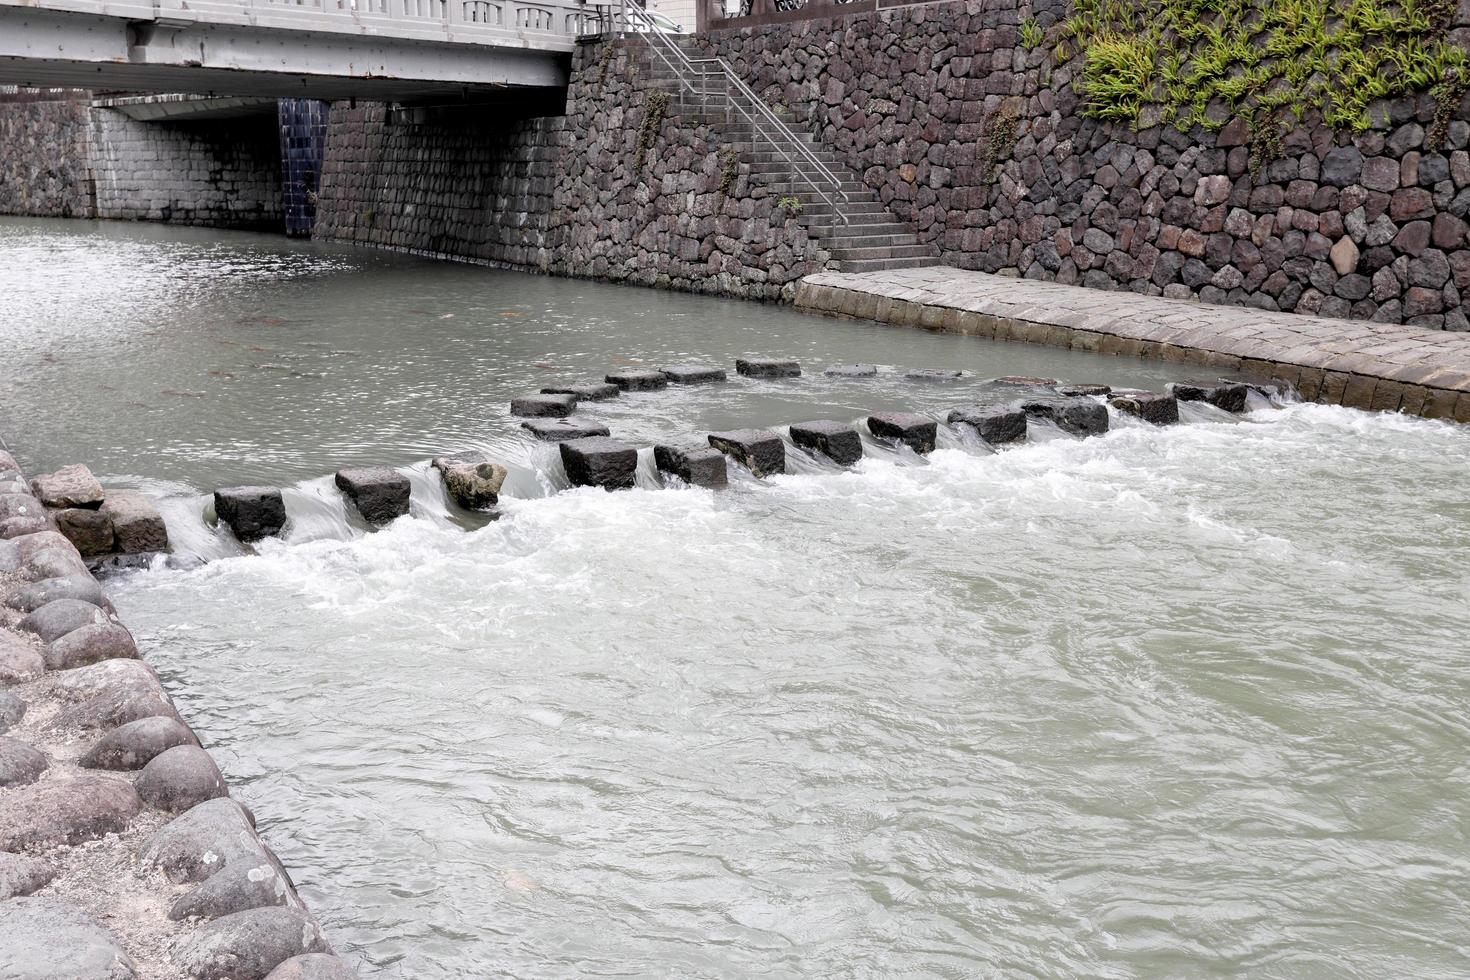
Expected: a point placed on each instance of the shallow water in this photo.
(1170, 702)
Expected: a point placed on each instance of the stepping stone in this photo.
(851, 370)
(21, 874)
(1081, 391)
(1230, 397)
(251, 512)
(693, 374)
(761, 450)
(543, 406)
(180, 778)
(918, 432)
(471, 480)
(698, 466)
(56, 619)
(837, 441)
(767, 367)
(637, 380)
(70, 486)
(1149, 406)
(993, 424)
(89, 531)
(1026, 381)
(1079, 416)
(598, 461)
(194, 845)
(559, 430)
(66, 811)
(591, 392)
(934, 375)
(136, 523)
(20, 762)
(28, 598)
(89, 645)
(59, 940)
(248, 944)
(379, 492)
(134, 745)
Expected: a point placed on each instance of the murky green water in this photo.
(1171, 702)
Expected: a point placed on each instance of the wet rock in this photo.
(851, 370)
(698, 466)
(106, 566)
(240, 885)
(248, 945)
(251, 512)
(558, 430)
(179, 778)
(918, 432)
(1230, 397)
(21, 874)
(29, 598)
(598, 461)
(66, 811)
(760, 450)
(993, 424)
(837, 441)
(933, 375)
(196, 844)
(543, 406)
(1026, 381)
(89, 530)
(693, 374)
(70, 486)
(313, 966)
(637, 380)
(591, 392)
(380, 493)
(1079, 416)
(767, 367)
(88, 645)
(61, 942)
(134, 745)
(1083, 391)
(12, 710)
(55, 619)
(20, 762)
(472, 481)
(20, 661)
(117, 705)
(136, 523)
(1150, 406)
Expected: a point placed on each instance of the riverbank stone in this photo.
(89, 644)
(1078, 416)
(767, 367)
(471, 480)
(20, 762)
(197, 843)
(698, 466)
(20, 505)
(20, 661)
(248, 945)
(136, 524)
(598, 461)
(838, 441)
(560, 430)
(29, 598)
(70, 486)
(251, 512)
(994, 424)
(238, 886)
(759, 450)
(55, 562)
(918, 432)
(693, 374)
(379, 493)
(180, 778)
(543, 406)
(66, 811)
(90, 531)
(134, 745)
(1230, 397)
(26, 523)
(851, 370)
(56, 619)
(117, 705)
(12, 710)
(1150, 406)
(61, 941)
(933, 375)
(85, 682)
(637, 380)
(313, 966)
(22, 874)
(590, 392)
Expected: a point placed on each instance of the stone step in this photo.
(883, 252)
(879, 265)
(842, 241)
(856, 225)
(854, 211)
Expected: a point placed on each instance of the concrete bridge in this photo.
(389, 50)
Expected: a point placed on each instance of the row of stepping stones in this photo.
(92, 746)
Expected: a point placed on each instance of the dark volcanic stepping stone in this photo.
(767, 367)
(933, 375)
(90, 644)
(180, 778)
(918, 432)
(698, 466)
(379, 492)
(761, 450)
(249, 943)
(993, 424)
(471, 479)
(20, 762)
(638, 380)
(89, 530)
(21, 874)
(136, 523)
(1149, 406)
(838, 441)
(851, 370)
(46, 937)
(543, 406)
(66, 811)
(598, 461)
(251, 512)
(693, 374)
(1230, 397)
(28, 598)
(1079, 416)
(1081, 391)
(560, 430)
(591, 392)
(134, 745)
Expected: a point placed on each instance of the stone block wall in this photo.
(44, 168)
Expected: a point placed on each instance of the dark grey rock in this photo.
(837, 441)
(698, 466)
(251, 512)
(767, 367)
(1084, 391)
(1150, 406)
(90, 531)
(1079, 416)
(12, 710)
(693, 374)
(993, 424)
(20, 762)
(70, 486)
(196, 844)
(66, 811)
(48, 939)
(637, 380)
(591, 392)
(760, 450)
(313, 966)
(918, 432)
(28, 598)
(106, 566)
(20, 660)
(240, 885)
(598, 461)
(248, 945)
(851, 370)
(472, 483)
(1342, 166)
(543, 406)
(136, 523)
(134, 745)
(21, 874)
(89, 644)
(559, 430)
(1230, 397)
(1026, 381)
(934, 375)
(379, 493)
(55, 619)
(179, 778)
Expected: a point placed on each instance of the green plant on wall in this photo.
(998, 139)
(653, 120)
(791, 205)
(729, 170)
(1032, 36)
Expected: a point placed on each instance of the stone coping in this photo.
(1365, 365)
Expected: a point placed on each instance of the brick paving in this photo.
(1387, 367)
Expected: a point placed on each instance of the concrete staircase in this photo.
(869, 239)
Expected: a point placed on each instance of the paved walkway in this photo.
(1349, 362)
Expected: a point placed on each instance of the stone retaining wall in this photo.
(44, 169)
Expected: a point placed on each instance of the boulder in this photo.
(89, 644)
(380, 493)
(179, 778)
(1150, 406)
(767, 367)
(117, 705)
(251, 512)
(637, 380)
(136, 523)
(543, 406)
(89, 530)
(12, 710)
(56, 619)
(248, 945)
(29, 598)
(55, 562)
(196, 844)
(693, 374)
(66, 811)
(838, 441)
(30, 544)
(10, 560)
(20, 660)
(313, 966)
(19, 505)
(1084, 391)
(61, 942)
(1230, 397)
(759, 450)
(918, 432)
(21, 874)
(994, 424)
(698, 466)
(22, 524)
(134, 745)
(1079, 416)
(851, 370)
(70, 486)
(933, 375)
(472, 483)
(598, 461)
(591, 392)
(20, 762)
(84, 682)
(8, 464)
(1026, 381)
(238, 886)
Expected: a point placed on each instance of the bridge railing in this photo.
(714, 15)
